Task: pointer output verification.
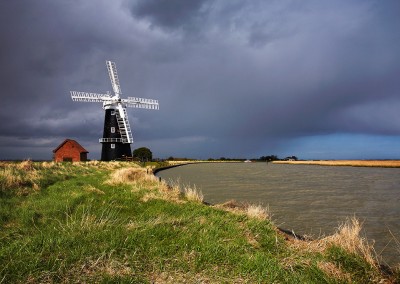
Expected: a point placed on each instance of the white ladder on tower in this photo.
(124, 127)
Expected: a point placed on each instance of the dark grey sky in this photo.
(316, 79)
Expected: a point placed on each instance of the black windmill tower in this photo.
(117, 134)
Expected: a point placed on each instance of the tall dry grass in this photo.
(48, 165)
(193, 194)
(107, 165)
(348, 236)
(126, 175)
(25, 177)
(141, 178)
(258, 212)
(164, 191)
(19, 176)
(250, 210)
(26, 165)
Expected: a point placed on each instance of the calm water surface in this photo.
(307, 199)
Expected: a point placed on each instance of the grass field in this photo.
(116, 223)
(352, 163)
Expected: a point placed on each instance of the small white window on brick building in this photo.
(112, 146)
(112, 129)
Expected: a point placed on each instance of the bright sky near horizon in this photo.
(315, 79)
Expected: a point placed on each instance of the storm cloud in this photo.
(316, 79)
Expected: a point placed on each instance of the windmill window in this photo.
(112, 129)
(112, 146)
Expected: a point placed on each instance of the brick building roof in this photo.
(76, 144)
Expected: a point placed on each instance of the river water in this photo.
(307, 199)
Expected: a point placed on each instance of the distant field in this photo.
(352, 163)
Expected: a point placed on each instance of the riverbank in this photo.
(115, 222)
(351, 163)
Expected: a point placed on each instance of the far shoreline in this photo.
(348, 163)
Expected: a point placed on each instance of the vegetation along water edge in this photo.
(116, 222)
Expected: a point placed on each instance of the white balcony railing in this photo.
(113, 140)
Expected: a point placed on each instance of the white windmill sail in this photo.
(123, 124)
(141, 103)
(112, 72)
(88, 97)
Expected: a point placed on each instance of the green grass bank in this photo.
(115, 222)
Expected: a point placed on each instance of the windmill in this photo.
(117, 134)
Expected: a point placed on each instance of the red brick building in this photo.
(70, 151)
